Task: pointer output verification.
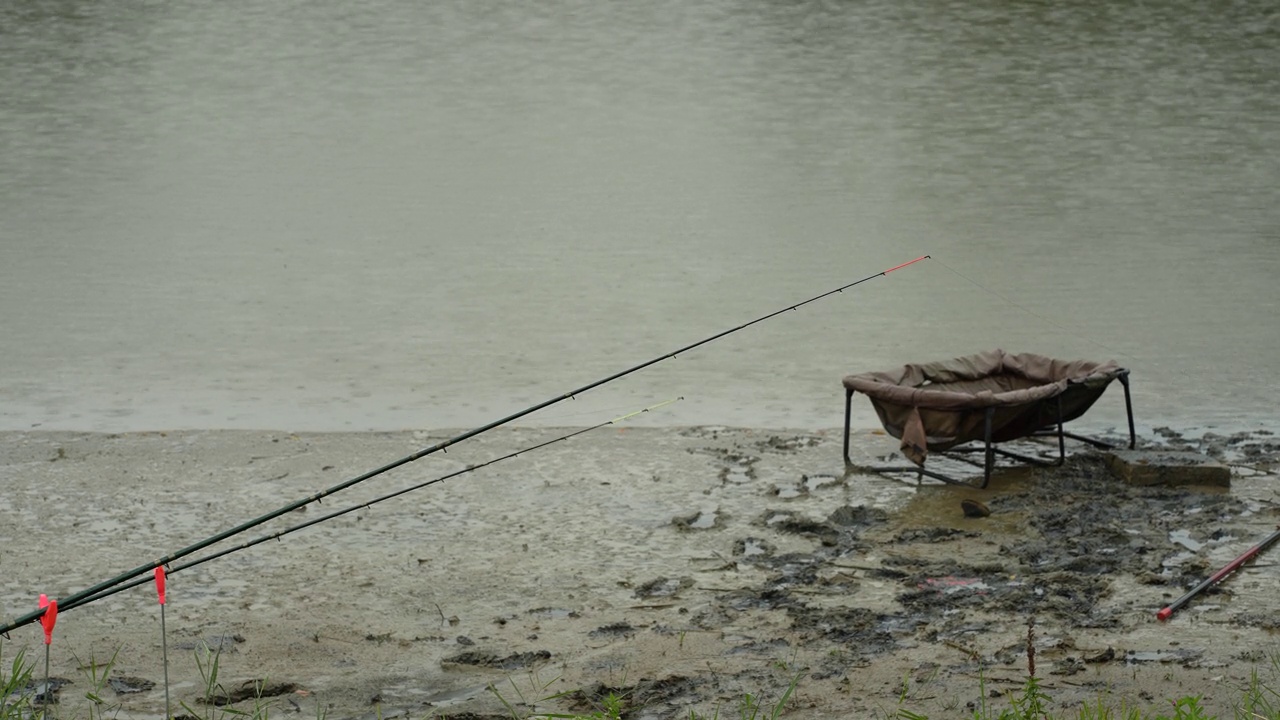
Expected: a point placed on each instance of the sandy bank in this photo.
(684, 565)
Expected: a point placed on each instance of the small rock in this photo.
(614, 630)
(974, 509)
(1069, 665)
(127, 685)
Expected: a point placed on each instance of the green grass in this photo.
(1031, 703)
(213, 697)
(18, 692)
(96, 676)
(1259, 699)
(15, 684)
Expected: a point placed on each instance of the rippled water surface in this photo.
(386, 214)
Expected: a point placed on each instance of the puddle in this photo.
(1177, 560)
(739, 473)
(813, 483)
(663, 587)
(701, 520)
(737, 468)
(789, 492)
(1162, 656)
(704, 521)
(752, 547)
(1183, 538)
(773, 518)
(39, 690)
(553, 613)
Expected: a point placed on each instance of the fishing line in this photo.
(325, 518)
(1163, 367)
(546, 419)
(1033, 313)
(168, 559)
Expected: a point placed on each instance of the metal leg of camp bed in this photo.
(919, 472)
(848, 402)
(1062, 440)
(988, 464)
(1062, 436)
(1128, 408)
(1123, 377)
(954, 454)
(989, 458)
(988, 449)
(1086, 439)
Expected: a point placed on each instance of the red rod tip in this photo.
(1164, 614)
(899, 267)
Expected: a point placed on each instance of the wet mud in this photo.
(703, 564)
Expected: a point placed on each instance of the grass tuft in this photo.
(1259, 699)
(15, 698)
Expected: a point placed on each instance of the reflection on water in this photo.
(383, 214)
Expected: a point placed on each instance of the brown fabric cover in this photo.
(936, 406)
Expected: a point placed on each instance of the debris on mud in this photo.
(249, 689)
(1072, 531)
(665, 697)
(613, 630)
(663, 587)
(777, 443)
(514, 661)
(46, 694)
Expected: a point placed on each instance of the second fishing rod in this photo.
(77, 597)
(367, 504)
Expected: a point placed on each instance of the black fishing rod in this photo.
(219, 537)
(325, 518)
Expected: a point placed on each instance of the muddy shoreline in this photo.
(680, 567)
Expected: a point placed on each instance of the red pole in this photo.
(909, 262)
(164, 642)
(1231, 567)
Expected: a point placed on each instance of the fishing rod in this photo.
(339, 513)
(1230, 567)
(443, 445)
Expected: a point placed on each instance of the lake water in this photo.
(381, 214)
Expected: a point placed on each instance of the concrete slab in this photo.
(1167, 467)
